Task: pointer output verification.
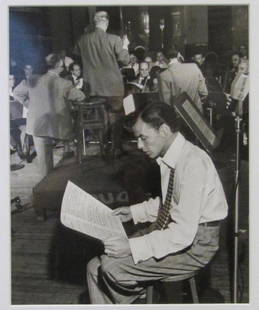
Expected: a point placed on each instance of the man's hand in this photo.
(117, 247)
(124, 213)
(125, 42)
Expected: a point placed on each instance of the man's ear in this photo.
(164, 130)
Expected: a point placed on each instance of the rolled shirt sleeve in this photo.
(145, 211)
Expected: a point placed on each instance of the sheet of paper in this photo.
(240, 87)
(128, 104)
(82, 212)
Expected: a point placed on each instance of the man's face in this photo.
(150, 140)
(133, 59)
(60, 66)
(28, 70)
(243, 67)
(76, 70)
(148, 60)
(144, 70)
(243, 50)
(11, 81)
(159, 56)
(102, 18)
(198, 58)
(235, 60)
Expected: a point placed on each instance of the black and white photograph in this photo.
(128, 170)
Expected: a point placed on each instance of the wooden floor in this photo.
(48, 261)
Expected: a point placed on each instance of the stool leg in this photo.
(194, 290)
(149, 298)
(83, 137)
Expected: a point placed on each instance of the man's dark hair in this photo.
(100, 16)
(172, 51)
(53, 59)
(71, 66)
(156, 114)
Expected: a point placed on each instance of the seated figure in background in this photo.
(130, 71)
(75, 76)
(149, 61)
(144, 83)
(231, 72)
(161, 60)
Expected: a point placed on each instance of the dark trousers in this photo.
(15, 132)
(114, 108)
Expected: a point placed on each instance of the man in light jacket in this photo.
(48, 118)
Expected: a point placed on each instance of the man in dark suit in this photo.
(101, 54)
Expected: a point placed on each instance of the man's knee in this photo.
(113, 269)
(93, 266)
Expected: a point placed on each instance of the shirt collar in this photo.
(53, 72)
(75, 77)
(173, 153)
(173, 61)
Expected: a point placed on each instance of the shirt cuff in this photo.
(139, 249)
(138, 213)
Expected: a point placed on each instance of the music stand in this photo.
(194, 119)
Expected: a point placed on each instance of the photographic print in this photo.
(129, 148)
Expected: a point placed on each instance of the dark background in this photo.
(37, 31)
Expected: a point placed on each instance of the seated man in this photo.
(75, 76)
(184, 233)
(143, 83)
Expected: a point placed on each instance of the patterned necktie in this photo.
(163, 212)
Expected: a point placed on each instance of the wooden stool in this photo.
(92, 116)
(191, 279)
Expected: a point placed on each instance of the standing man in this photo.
(101, 54)
(184, 233)
(182, 77)
(48, 118)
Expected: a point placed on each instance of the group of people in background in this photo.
(104, 65)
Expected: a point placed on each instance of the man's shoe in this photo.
(30, 157)
(12, 151)
(16, 167)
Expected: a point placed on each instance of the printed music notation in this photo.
(80, 211)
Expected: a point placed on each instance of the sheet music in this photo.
(128, 104)
(205, 130)
(82, 212)
(240, 87)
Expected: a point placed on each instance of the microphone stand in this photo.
(238, 120)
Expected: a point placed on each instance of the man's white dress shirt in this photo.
(198, 197)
